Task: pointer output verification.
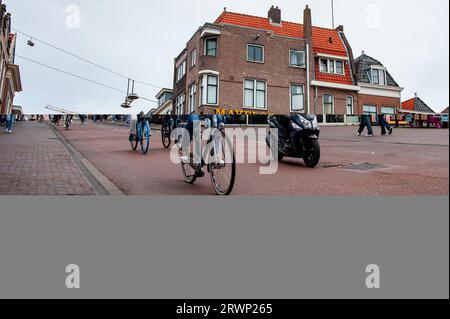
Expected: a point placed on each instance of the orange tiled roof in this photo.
(409, 105)
(321, 36)
(335, 78)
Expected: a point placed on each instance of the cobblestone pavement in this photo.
(33, 161)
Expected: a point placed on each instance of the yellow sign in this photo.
(237, 112)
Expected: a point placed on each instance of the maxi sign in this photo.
(237, 112)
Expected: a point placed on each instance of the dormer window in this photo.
(331, 66)
(377, 75)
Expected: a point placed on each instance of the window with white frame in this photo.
(193, 57)
(323, 65)
(377, 76)
(328, 104)
(297, 98)
(332, 66)
(255, 53)
(340, 67)
(349, 102)
(211, 47)
(192, 97)
(389, 113)
(370, 109)
(255, 93)
(210, 90)
(297, 59)
(388, 110)
(180, 104)
(181, 71)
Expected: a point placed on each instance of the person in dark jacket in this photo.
(384, 125)
(365, 122)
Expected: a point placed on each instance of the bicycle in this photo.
(222, 174)
(166, 132)
(142, 135)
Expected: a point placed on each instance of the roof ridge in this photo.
(409, 100)
(368, 56)
(259, 17)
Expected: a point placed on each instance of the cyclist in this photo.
(216, 121)
(82, 118)
(69, 118)
(184, 156)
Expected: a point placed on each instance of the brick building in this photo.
(242, 63)
(10, 82)
(379, 93)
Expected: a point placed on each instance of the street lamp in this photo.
(125, 105)
(30, 42)
(131, 96)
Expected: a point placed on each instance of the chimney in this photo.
(308, 35)
(307, 25)
(275, 15)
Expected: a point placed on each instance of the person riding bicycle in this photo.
(135, 119)
(216, 122)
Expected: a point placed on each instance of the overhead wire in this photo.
(79, 77)
(85, 60)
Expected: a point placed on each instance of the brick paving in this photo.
(411, 162)
(33, 161)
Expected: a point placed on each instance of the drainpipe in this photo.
(308, 84)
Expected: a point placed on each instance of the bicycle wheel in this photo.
(222, 174)
(134, 143)
(165, 136)
(189, 172)
(145, 137)
(134, 138)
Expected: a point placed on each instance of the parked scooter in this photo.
(297, 137)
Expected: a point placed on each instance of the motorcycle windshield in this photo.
(296, 120)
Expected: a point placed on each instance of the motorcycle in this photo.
(297, 136)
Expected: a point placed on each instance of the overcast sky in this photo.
(140, 38)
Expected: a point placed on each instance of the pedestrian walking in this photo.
(385, 125)
(365, 122)
(10, 118)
